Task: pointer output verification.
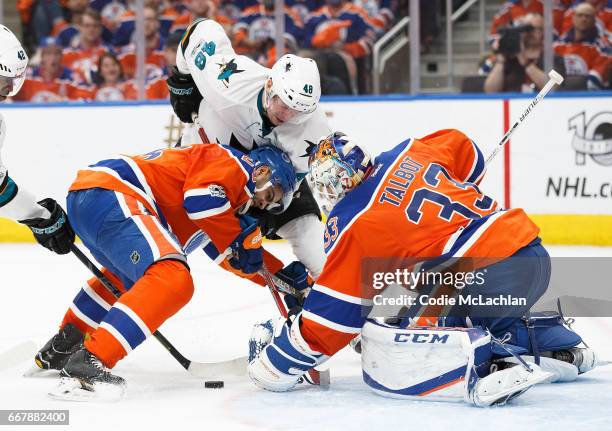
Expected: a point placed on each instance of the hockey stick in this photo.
(320, 378)
(554, 79)
(235, 367)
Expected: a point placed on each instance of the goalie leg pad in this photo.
(440, 364)
(421, 363)
(284, 358)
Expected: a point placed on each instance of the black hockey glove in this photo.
(185, 97)
(54, 233)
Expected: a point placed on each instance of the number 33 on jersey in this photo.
(421, 200)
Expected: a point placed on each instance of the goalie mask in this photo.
(336, 166)
(13, 63)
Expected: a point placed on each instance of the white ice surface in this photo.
(38, 286)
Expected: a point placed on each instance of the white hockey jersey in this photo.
(231, 112)
(15, 202)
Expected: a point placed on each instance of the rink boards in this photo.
(558, 165)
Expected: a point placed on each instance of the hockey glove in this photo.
(54, 233)
(185, 97)
(247, 251)
(295, 276)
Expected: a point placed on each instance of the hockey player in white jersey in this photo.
(245, 105)
(46, 219)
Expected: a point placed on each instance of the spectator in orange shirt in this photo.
(84, 57)
(110, 81)
(51, 81)
(603, 18)
(155, 61)
(111, 84)
(197, 9)
(584, 50)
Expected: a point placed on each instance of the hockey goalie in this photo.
(421, 199)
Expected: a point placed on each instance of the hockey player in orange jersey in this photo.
(140, 216)
(418, 201)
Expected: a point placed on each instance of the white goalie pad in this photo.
(422, 363)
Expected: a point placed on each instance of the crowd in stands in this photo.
(582, 31)
(85, 49)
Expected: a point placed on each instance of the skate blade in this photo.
(536, 377)
(71, 389)
(37, 372)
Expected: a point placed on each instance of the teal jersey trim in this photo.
(8, 191)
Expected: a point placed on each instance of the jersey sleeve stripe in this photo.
(478, 166)
(469, 235)
(332, 325)
(341, 296)
(197, 192)
(197, 204)
(209, 212)
(337, 311)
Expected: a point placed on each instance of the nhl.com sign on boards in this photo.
(592, 145)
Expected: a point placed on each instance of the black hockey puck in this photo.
(214, 384)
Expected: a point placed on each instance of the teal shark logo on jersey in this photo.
(227, 70)
(311, 146)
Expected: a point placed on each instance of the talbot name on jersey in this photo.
(397, 184)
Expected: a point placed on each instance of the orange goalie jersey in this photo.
(421, 200)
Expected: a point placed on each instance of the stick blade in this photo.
(555, 76)
(233, 367)
(18, 354)
(324, 379)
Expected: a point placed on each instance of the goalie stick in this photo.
(205, 370)
(554, 79)
(316, 377)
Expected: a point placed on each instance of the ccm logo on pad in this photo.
(420, 338)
